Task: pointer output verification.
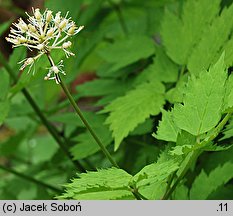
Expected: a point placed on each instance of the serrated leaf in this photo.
(151, 180)
(167, 130)
(228, 131)
(181, 150)
(205, 184)
(176, 94)
(214, 147)
(228, 100)
(211, 42)
(134, 108)
(105, 194)
(203, 102)
(180, 35)
(94, 183)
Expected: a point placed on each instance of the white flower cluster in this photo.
(44, 32)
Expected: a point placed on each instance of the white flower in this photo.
(53, 71)
(44, 33)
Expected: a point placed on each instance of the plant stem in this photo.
(194, 155)
(120, 16)
(28, 178)
(53, 131)
(85, 122)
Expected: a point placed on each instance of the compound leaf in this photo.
(134, 108)
(167, 130)
(203, 102)
(105, 184)
(181, 34)
(205, 184)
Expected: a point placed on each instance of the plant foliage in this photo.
(153, 79)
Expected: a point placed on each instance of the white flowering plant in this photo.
(44, 32)
(152, 86)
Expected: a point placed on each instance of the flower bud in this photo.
(49, 15)
(37, 14)
(40, 46)
(32, 28)
(57, 18)
(14, 41)
(55, 69)
(63, 24)
(29, 61)
(71, 30)
(22, 26)
(50, 32)
(22, 40)
(66, 45)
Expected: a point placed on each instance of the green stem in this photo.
(85, 122)
(194, 155)
(28, 178)
(120, 16)
(53, 131)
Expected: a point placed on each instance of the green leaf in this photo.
(105, 184)
(72, 6)
(213, 147)
(4, 110)
(4, 26)
(167, 130)
(218, 34)
(135, 16)
(105, 194)
(181, 150)
(222, 193)
(38, 152)
(17, 56)
(228, 131)
(10, 146)
(181, 34)
(228, 100)
(203, 101)
(151, 180)
(143, 128)
(125, 52)
(162, 69)
(205, 184)
(176, 94)
(135, 107)
(86, 145)
(68, 118)
(101, 87)
(181, 193)
(4, 84)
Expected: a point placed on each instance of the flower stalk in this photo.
(44, 33)
(78, 111)
(51, 129)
